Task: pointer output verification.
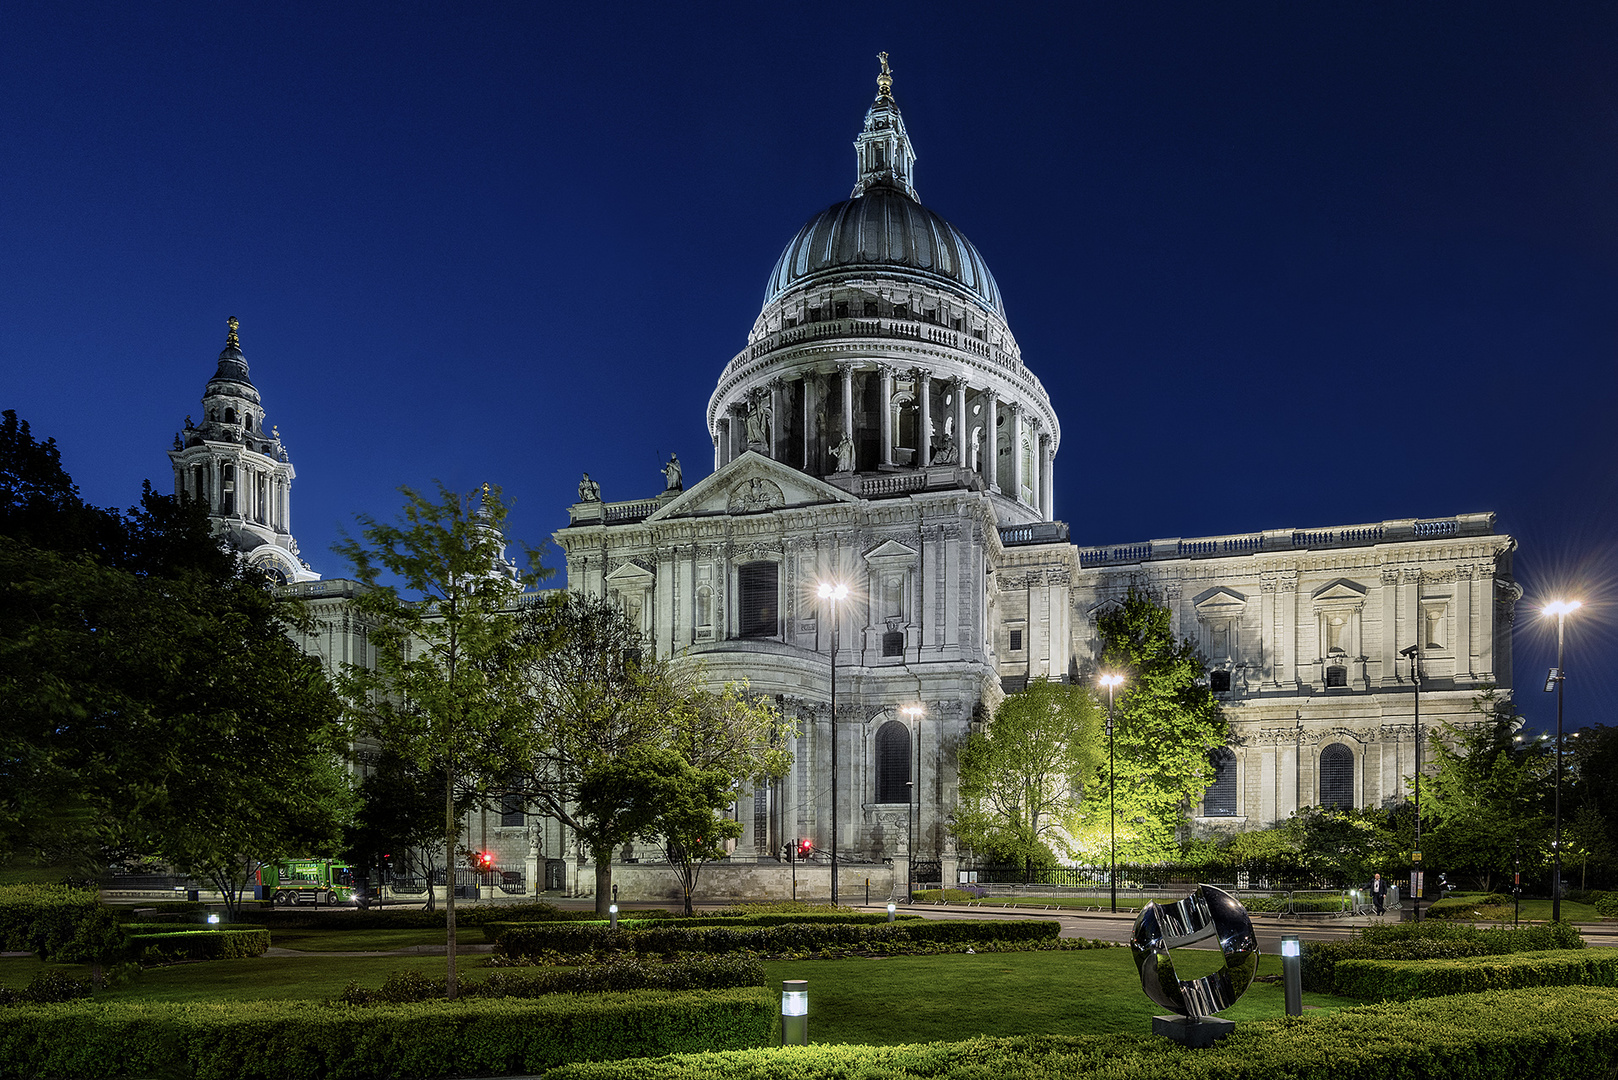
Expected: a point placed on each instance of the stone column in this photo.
(957, 387)
(812, 466)
(924, 434)
(1016, 450)
(778, 416)
(991, 440)
(1047, 486)
(847, 372)
(721, 439)
(1462, 645)
(885, 425)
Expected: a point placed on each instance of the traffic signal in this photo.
(805, 849)
(485, 860)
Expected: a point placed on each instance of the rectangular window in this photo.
(842, 309)
(870, 309)
(814, 314)
(1219, 682)
(511, 810)
(893, 643)
(901, 312)
(759, 601)
(1016, 641)
(1336, 676)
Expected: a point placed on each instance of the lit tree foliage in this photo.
(1023, 775)
(1167, 721)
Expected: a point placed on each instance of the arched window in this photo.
(893, 763)
(230, 416)
(1220, 798)
(1337, 777)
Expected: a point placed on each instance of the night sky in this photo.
(1278, 265)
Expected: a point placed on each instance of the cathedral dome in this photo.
(881, 232)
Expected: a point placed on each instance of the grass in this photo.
(955, 996)
(1533, 909)
(317, 940)
(297, 978)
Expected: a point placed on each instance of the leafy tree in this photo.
(1023, 775)
(445, 694)
(1346, 846)
(1167, 721)
(1489, 792)
(401, 818)
(155, 704)
(1592, 795)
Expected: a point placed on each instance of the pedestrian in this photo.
(1379, 892)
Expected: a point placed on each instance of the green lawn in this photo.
(372, 940)
(291, 977)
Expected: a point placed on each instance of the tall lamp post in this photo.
(1413, 653)
(1111, 681)
(1561, 609)
(833, 592)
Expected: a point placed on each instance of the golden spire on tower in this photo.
(230, 338)
(884, 80)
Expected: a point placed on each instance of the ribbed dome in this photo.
(881, 232)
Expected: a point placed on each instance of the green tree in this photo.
(1023, 775)
(1590, 796)
(1346, 846)
(155, 704)
(1167, 722)
(400, 819)
(446, 693)
(1489, 792)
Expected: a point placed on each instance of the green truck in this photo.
(306, 881)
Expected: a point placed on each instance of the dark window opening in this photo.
(1336, 675)
(759, 599)
(893, 643)
(955, 324)
(792, 321)
(1337, 777)
(929, 315)
(1220, 799)
(1219, 682)
(870, 309)
(230, 416)
(901, 312)
(814, 314)
(893, 763)
(1016, 641)
(511, 810)
(842, 309)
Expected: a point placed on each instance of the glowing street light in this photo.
(833, 592)
(1111, 682)
(1561, 609)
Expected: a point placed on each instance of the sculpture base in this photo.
(1196, 1032)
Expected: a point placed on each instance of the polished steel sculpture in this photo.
(1207, 913)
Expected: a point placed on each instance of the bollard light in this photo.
(213, 917)
(612, 913)
(892, 907)
(795, 1012)
(1292, 973)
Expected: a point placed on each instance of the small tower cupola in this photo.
(883, 151)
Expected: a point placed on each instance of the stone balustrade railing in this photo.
(1288, 540)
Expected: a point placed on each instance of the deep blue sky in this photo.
(1277, 264)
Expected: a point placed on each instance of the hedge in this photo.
(1429, 941)
(275, 1040)
(1401, 980)
(493, 930)
(202, 944)
(615, 976)
(562, 938)
(416, 918)
(1548, 1034)
(56, 922)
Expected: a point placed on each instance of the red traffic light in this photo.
(805, 848)
(485, 860)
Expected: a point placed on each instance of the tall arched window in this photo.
(1220, 799)
(1337, 777)
(893, 763)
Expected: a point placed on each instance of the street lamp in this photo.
(1561, 609)
(1413, 654)
(833, 592)
(915, 714)
(1110, 682)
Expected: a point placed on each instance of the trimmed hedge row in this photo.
(1549, 1034)
(1401, 980)
(56, 922)
(1429, 941)
(562, 938)
(272, 1040)
(203, 944)
(615, 976)
(493, 930)
(415, 918)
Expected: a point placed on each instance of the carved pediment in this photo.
(890, 549)
(1339, 593)
(1220, 603)
(751, 484)
(631, 576)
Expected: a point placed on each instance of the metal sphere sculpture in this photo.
(1207, 913)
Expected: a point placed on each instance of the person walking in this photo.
(1379, 892)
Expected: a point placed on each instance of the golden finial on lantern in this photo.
(230, 338)
(884, 80)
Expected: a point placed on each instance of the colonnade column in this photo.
(885, 459)
(778, 420)
(847, 372)
(1047, 482)
(991, 440)
(957, 387)
(1016, 451)
(924, 433)
(811, 388)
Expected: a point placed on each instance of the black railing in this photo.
(1250, 875)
